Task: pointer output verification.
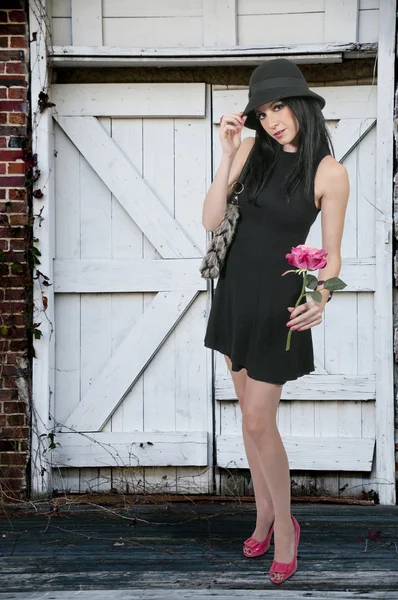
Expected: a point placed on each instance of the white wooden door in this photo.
(327, 419)
(132, 398)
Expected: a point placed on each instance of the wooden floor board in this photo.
(144, 551)
(178, 594)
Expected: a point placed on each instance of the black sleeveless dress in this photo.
(248, 316)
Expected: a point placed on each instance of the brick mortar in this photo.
(15, 235)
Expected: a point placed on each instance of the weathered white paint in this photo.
(314, 387)
(130, 100)
(306, 453)
(153, 8)
(130, 189)
(216, 23)
(132, 449)
(127, 275)
(42, 145)
(385, 460)
(129, 361)
(341, 20)
(137, 360)
(86, 22)
(220, 23)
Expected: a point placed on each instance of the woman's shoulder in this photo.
(329, 168)
(332, 177)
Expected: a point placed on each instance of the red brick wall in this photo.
(15, 236)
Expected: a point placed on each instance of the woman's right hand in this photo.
(230, 132)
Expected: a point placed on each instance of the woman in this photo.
(291, 178)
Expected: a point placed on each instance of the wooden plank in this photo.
(314, 387)
(320, 454)
(366, 193)
(341, 337)
(127, 243)
(67, 356)
(159, 394)
(127, 275)
(188, 593)
(299, 52)
(125, 182)
(66, 60)
(153, 32)
(60, 8)
(86, 22)
(158, 377)
(42, 145)
(341, 20)
(369, 4)
(296, 49)
(349, 102)
(67, 246)
(219, 23)
(269, 7)
(131, 449)
(193, 377)
(154, 8)
(190, 191)
(385, 460)
(140, 100)
(299, 29)
(61, 31)
(368, 26)
(129, 360)
(65, 481)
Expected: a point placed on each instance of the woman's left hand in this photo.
(305, 315)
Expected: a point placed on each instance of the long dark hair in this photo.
(315, 140)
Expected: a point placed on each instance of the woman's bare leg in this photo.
(259, 416)
(265, 509)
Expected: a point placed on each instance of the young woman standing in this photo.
(292, 177)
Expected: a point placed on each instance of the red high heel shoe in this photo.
(279, 572)
(257, 548)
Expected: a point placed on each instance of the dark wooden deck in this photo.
(163, 551)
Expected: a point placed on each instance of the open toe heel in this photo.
(252, 547)
(279, 572)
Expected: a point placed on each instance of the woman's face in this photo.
(278, 120)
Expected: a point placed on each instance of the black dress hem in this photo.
(236, 368)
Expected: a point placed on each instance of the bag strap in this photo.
(234, 197)
(245, 167)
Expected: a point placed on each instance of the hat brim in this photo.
(263, 96)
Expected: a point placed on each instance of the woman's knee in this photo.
(257, 422)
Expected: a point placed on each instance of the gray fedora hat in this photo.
(273, 80)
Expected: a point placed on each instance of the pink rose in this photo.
(307, 257)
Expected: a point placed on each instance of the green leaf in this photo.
(317, 296)
(334, 283)
(16, 268)
(311, 282)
